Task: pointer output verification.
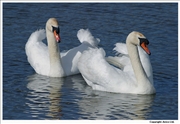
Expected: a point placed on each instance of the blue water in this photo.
(27, 95)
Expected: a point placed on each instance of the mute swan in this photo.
(131, 77)
(47, 60)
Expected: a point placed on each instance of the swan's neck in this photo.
(139, 72)
(56, 69)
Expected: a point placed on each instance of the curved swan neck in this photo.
(56, 69)
(136, 64)
(52, 46)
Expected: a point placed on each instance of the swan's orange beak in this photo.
(57, 36)
(145, 48)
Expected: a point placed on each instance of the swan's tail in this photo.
(84, 35)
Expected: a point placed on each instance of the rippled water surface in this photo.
(27, 95)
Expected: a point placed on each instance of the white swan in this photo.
(133, 76)
(47, 60)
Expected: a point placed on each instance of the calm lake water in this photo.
(27, 95)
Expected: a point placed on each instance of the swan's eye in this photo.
(144, 40)
(55, 29)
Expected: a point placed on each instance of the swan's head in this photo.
(138, 38)
(52, 25)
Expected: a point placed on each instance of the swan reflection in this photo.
(104, 105)
(51, 98)
(44, 95)
(116, 106)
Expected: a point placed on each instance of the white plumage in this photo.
(134, 74)
(47, 60)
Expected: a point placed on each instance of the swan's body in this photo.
(47, 60)
(131, 77)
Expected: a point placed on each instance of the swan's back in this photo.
(100, 75)
(37, 52)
